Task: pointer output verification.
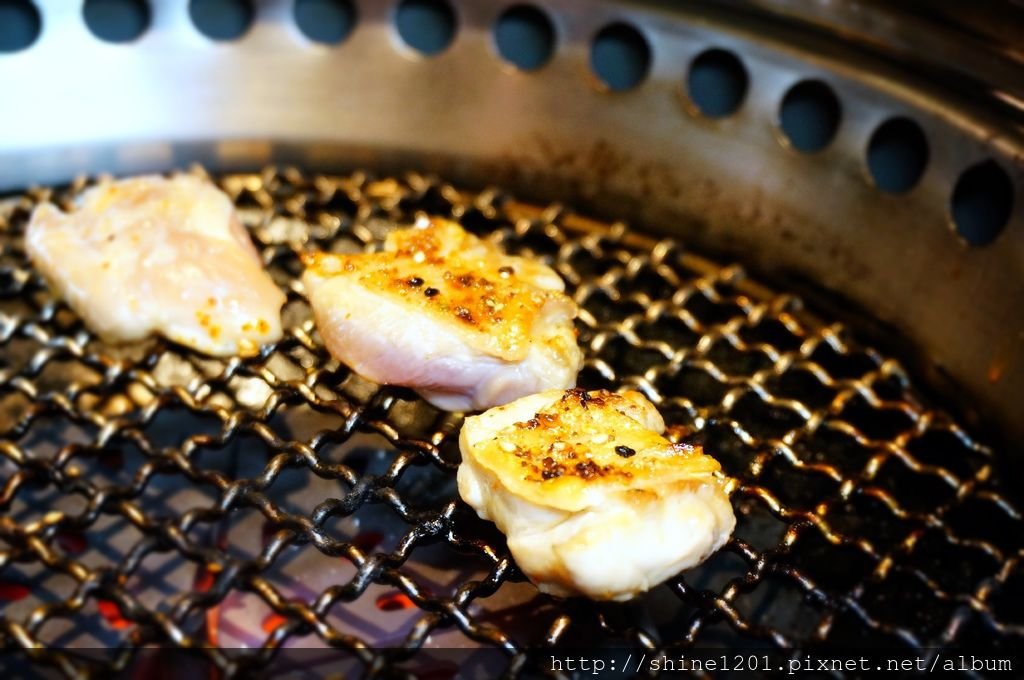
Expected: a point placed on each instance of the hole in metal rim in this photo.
(717, 83)
(897, 155)
(525, 37)
(325, 21)
(981, 203)
(20, 25)
(620, 57)
(116, 21)
(809, 115)
(427, 26)
(221, 19)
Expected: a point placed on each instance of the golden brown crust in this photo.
(445, 272)
(583, 442)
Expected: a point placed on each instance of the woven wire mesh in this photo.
(149, 492)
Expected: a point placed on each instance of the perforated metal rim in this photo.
(855, 496)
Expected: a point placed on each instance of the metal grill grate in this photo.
(155, 497)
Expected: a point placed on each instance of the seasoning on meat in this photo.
(593, 499)
(156, 255)
(447, 314)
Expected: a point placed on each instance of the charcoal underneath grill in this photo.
(154, 497)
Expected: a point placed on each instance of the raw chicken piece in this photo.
(593, 500)
(448, 315)
(156, 255)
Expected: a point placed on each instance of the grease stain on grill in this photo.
(918, 492)
(948, 450)
(797, 488)
(763, 419)
(709, 312)
(733, 360)
(843, 366)
(1008, 597)
(876, 422)
(870, 518)
(985, 519)
(803, 386)
(337, 468)
(772, 332)
(838, 569)
(777, 601)
(533, 241)
(636, 361)
(933, 553)
(908, 602)
(672, 330)
(834, 447)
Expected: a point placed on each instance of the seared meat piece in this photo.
(593, 500)
(155, 255)
(447, 314)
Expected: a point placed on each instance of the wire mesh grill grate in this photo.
(155, 497)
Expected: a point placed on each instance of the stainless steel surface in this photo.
(74, 104)
(240, 506)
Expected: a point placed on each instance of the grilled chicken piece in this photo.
(593, 500)
(448, 315)
(156, 255)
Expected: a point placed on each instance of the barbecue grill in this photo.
(795, 228)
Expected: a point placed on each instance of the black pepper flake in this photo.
(431, 292)
(625, 451)
(415, 282)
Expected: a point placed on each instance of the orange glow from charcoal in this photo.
(11, 591)
(213, 625)
(272, 621)
(393, 602)
(112, 614)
